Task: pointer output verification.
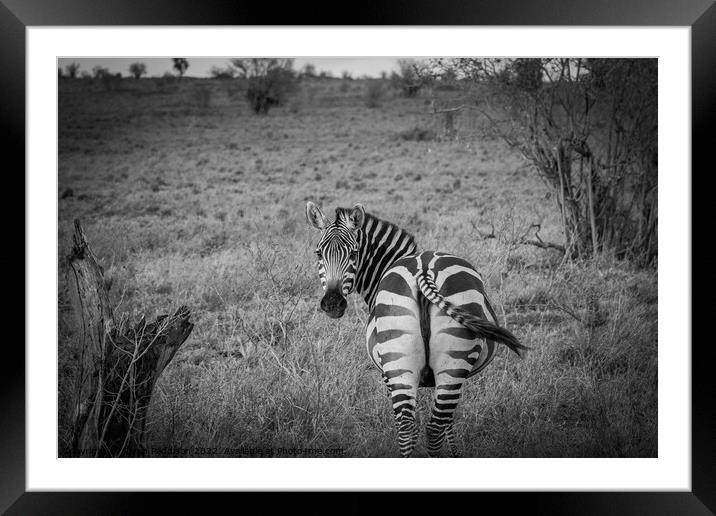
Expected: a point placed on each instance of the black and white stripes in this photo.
(381, 244)
(430, 324)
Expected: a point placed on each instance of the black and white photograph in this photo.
(357, 257)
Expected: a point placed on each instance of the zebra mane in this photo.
(376, 259)
(343, 214)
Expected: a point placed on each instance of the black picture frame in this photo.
(700, 15)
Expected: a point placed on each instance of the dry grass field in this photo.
(187, 197)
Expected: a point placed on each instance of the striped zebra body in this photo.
(399, 310)
(430, 325)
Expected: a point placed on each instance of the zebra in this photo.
(430, 322)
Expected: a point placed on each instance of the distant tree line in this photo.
(270, 81)
(136, 70)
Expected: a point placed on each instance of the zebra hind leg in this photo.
(403, 396)
(407, 432)
(403, 401)
(435, 436)
(450, 439)
(440, 427)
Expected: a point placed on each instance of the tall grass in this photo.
(208, 212)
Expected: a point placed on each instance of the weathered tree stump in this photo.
(118, 365)
(449, 127)
(449, 132)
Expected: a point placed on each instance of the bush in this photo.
(412, 77)
(269, 81)
(227, 72)
(110, 81)
(137, 70)
(528, 74)
(99, 71)
(418, 134)
(167, 82)
(374, 94)
(72, 70)
(261, 97)
(180, 65)
(309, 70)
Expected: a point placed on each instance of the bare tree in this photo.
(100, 71)
(180, 64)
(137, 70)
(589, 127)
(72, 69)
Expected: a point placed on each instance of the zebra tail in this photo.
(483, 328)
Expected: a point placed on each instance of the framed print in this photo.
(231, 254)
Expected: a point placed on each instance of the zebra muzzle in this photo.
(334, 304)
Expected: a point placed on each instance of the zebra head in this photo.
(338, 253)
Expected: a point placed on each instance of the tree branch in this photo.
(538, 242)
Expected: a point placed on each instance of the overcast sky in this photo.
(200, 66)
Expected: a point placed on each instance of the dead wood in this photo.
(118, 364)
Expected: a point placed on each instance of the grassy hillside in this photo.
(189, 198)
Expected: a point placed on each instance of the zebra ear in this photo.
(315, 216)
(358, 216)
